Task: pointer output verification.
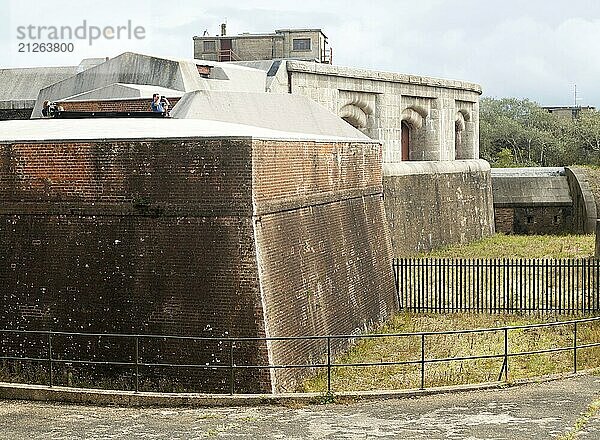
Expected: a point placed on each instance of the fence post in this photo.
(423, 361)
(231, 368)
(328, 365)
(575, 347)
(505, 354)
(396, 270)
(137, 364)
(50, 357)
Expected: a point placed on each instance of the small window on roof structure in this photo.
(204, 71)
(301, 44)
(210, 46)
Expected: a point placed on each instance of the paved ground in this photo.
(539, 411)
(591, 431)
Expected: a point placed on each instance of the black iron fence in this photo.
(137, 364)
(566, 286)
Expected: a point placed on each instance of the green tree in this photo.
(521, 126)
(583, 137)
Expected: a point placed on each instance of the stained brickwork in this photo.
(504, 219)
(195, 237)
(133, 237)
(323, 243)
(532, 220)
(113, 105)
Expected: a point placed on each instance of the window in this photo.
(210, 46)
(301, 44)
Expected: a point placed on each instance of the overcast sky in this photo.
(529, 48)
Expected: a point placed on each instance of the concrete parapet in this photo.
(584, 203)
(431, 204)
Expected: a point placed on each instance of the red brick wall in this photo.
(113, 105)
(311, 168)
(134, 237)
(323, 244)
(504, 220)
(174, 175)
(159, 237)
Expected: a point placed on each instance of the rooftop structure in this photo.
(297, 44)
(19, 87)
(568, 111)
(129, 68)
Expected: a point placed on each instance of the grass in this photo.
(593, 174)
(520, 246)
(582, 421)
(392, 349)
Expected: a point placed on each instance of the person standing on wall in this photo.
(157, 105)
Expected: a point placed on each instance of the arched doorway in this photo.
(405, 140)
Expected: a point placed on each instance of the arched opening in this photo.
(411, 135)
(458, 129)
(354, 116)
(464, 137)
(405, 141)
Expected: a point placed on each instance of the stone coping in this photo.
(435, 167)
(352, 72)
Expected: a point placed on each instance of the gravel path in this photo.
(537, 411)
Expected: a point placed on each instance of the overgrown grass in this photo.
(520, 246)
(396, 349)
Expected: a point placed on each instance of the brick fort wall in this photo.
(134, 237)
(323, 245)
(191, 237)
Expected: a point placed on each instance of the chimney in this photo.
(223, 29)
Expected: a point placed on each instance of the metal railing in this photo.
(227, 55)
(499, 285)
(328, 363)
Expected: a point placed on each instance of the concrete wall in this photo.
(201, 236)
(378, 102)
(584, 203)
(438, 112)
(317, 44)
(431, 204)
(250, 47)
